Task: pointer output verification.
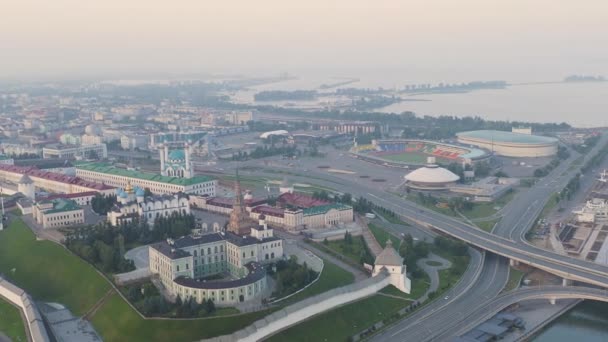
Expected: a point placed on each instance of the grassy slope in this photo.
(11, 323)
(331, 277)
(382, 236)
(115, 321)
(340, 323)
(48, 271)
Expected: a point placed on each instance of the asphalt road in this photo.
(510, 232)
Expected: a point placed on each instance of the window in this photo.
(177, 268)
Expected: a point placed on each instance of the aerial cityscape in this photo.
(316, 171)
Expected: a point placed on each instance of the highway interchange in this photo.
(488, 272)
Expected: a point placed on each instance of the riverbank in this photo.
(537, 314)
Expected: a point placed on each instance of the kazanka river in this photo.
(586, 322)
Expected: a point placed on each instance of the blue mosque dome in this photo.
(177, 155)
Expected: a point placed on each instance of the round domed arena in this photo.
(431, 177)
(510, 144)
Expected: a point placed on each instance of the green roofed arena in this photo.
(158, 184)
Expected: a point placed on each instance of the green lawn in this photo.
(345, 321)
(382, 235)
(487, 225)
(352, 252)
(446, 211)
(48, 271)
(414, 158)
(551, 203)
(419, 287)
(514, 281)
(11, 323)
(331, 277)
(392, 219)
(116, 320)
(487, 209)
(433, 263)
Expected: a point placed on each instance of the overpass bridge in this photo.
(566, 267)
(489, 309)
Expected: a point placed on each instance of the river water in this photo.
(579, 104)
(587, 322)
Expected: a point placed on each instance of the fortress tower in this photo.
(239, 219)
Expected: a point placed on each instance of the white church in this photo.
(132, 203)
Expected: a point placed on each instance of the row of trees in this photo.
(543, 171)
(104, 246)
(291, 276)
(101, 204)
(150, 302)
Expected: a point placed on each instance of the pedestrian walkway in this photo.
(370, 239)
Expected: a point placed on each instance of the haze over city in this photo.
(275, 170)
(515, 40)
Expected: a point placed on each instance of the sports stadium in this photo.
(510, 144)
(412, 152)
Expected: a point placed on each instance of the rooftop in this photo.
(504, 136)
(256, 272)
(322, 209)
(112, 170)
(300, 200)
(61, 205)
(389, 256)
(53, 176)
(432, 174)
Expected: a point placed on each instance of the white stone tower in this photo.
(26, 187)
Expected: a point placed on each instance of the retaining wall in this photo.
(35, 325)
(307, 308)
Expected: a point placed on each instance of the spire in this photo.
(238, 217)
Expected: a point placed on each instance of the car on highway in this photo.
(446, 297)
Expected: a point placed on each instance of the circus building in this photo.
(431, 177)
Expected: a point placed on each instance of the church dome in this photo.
(122, 194)
(177, 155)
(139, 192)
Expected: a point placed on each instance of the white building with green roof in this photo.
(158, 184)
(57, 213)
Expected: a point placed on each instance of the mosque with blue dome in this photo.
(133, 203)
(176, 162)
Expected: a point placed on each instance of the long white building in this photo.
(158, 184)
(51, 181)
(73, 152)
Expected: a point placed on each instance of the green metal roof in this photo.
(322, 209)
(112, 170)
(506, 137)
(62, 205)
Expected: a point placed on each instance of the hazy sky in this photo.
(88, 37)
